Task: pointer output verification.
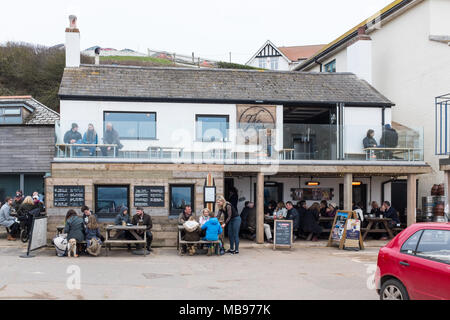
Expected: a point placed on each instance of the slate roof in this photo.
(126, 83)
(42, 115)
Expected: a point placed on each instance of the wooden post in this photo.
(348, 191)
(260, 208)
(411, 200)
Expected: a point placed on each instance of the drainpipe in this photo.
(315, 61)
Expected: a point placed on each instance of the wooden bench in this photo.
(110, 240)
(180, 242)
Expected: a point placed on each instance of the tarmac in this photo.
(307, 271)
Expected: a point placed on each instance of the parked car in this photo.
(416, 264)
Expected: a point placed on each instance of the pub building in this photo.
(164, 134)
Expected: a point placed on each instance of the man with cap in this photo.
(18, 199)
(143, 219)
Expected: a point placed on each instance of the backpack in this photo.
(94, 247)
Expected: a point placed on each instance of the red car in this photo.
(416, 264)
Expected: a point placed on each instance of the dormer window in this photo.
(10, 115)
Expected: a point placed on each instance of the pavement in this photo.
(309, 270)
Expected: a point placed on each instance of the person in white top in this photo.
(280, 210)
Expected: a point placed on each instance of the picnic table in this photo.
(373, 222)
(67, 150)
(181, 242)
(132, 229)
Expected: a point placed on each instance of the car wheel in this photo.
(393, 290)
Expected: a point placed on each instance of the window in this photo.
(133, 125)
(410, 245)
(435, 245)
(262, 63)
(212, 128)
(10, 116)
(331, 67)
(180, 196)
(110, 199)
(274, 63)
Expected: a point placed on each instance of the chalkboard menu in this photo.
(68, 196)
(151, 196)
(283, 233)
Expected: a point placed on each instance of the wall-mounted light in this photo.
(312, 183)
(356, 183)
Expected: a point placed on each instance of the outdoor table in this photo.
(119, 229)
(407, 151)
(68, 151)
(373, 222)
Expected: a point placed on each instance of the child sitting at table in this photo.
(93, 242)
(213, 230)
(204, 217)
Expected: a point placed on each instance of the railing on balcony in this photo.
(442, 130)
(243, 143)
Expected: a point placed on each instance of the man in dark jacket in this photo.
(244, 215)
(389, 139)
(18, 199)
(72, 136)
(389, 212)
(293, 215)
(111, 136)
(143, 219)
(185, 215)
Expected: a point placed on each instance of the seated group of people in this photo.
(86, 228)
(25, 208)
(305, 220)
(111, 136)
(389, 139)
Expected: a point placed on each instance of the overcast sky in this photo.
(210, 28)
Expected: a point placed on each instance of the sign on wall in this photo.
(149, 196)
(68, 196)
(253, 123)
(315, 194)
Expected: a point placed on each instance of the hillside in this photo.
(27, 69)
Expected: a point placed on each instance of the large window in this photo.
(133, 125)
(262, 63)
(274, 63)
(212, 127)
(10, 116)
(180, 196)
(110, 199)
(331, 67)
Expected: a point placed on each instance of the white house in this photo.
(403, 51)
(272, 57)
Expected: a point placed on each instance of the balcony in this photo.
(241, 143)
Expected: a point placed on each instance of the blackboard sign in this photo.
(150, 196)
(283, 233)
(38, 236)
(68, 196)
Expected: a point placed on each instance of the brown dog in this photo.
(72, 248)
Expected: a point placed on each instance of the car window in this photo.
(435, 245)
(410, 245)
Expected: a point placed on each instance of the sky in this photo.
(209, 28)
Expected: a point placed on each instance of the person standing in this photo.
(143, 219)
(7, 221)
(311, 224)
(111, 136)
(90, 137)
(233, 220)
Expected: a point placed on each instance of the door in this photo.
(429, 269)
(359, 195)
(272, 191)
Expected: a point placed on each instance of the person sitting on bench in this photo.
(7, 221)
(192, 233)
(213, 230)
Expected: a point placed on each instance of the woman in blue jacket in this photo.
(90, 137)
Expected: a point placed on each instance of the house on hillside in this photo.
(27, 131)
(403, 51)
(272, 57)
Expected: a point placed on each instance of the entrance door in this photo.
(272, 191)
(359, 195)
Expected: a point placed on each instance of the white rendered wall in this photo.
(439, 13)
(359, 59)
(72, 49)
(175, 122)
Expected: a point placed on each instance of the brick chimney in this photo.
(72, 44)
(359, 55)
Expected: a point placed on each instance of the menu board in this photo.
(283, 233)
(68, 196)
(149, 196)
(353, 234)
(339, 225)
